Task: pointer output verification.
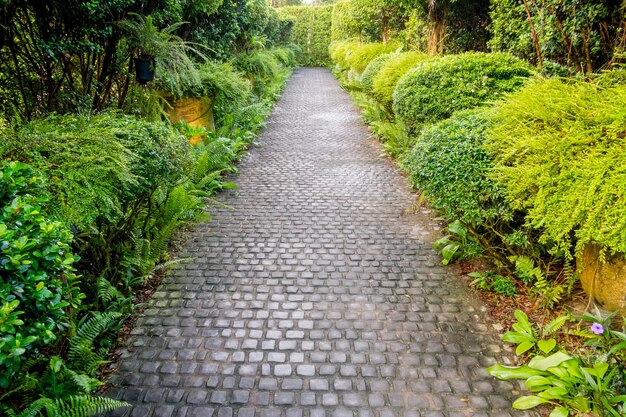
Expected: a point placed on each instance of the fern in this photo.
(73, 406)
(107, 292)
(82, 353)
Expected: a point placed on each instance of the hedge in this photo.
(311, 32)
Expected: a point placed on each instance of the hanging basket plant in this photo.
(144, 69)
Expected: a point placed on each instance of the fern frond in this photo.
(85, 405)
(35, 408)
(106, 291)
(585, 334)
(82, 354)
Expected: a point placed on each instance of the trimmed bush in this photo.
(436, 88)
(360, 57)
(339, 53)
(558, 151)
(372, 69)
(311, 32)
(387, 78)
(450, 166)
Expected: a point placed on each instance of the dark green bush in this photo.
(38, 290)
(449, 165)
(394, 68)
(435, 89)
(558, 150)
(372, 69)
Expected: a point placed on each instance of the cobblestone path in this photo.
(314, 293)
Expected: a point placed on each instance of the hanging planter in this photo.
(144, 69)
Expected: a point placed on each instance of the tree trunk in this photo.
(534, 35)
(437, 15)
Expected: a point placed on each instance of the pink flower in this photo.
(597, 328)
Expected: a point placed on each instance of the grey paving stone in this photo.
(313, 291)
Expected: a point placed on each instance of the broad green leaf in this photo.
(529, 401)
(554, 393)
(546, 346)
(538, 381)
(524, 347)
(560, 412)
(512, 372)
(516, 337)
(542, 364)
(522, 322)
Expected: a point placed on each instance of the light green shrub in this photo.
(358, 58)
(436, 88)
(372, 69)
(558, 150)
(387, 78)
(339, 53)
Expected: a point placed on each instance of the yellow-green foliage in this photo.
(387, 78)
(311, 32)
(372, 69)
(558, 151)
(359, 57)
(339, 53)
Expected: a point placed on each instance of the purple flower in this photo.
(597, 328)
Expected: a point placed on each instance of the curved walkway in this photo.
(314, 294)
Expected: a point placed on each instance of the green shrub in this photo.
(387, 78)
(372, 69)
(558, 150)
(285, 56)
(339, 53)
(449, 165)
(259, 64)
(104, 173)
(363, 54)
(435, 89)
(38, 287)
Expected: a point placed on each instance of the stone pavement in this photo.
(314, 293)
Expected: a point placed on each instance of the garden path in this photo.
(315, 292)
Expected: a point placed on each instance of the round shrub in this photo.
(450, 166)
(395, 67)
(363, 54)
(435, 89)
(375, 65)
(558, 151)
